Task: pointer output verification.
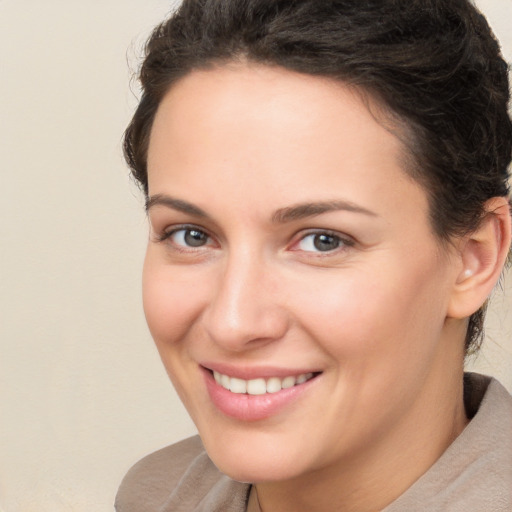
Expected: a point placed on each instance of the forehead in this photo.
(242, 126)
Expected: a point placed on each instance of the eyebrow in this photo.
(280, 216)
(175, 204)
(304, 210)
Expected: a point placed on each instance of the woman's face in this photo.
(288, 244)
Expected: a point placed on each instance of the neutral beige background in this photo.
(82, 392)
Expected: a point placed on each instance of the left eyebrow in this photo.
(304, 210)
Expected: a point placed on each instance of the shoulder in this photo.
(151, 480)
(476, 470)
(179, 477)
(148, 483)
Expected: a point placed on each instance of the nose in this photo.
(244, 311)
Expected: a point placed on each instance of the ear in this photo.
(482, 254)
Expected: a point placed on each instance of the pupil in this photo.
(326, 242)
(195, 238)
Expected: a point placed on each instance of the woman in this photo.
(326, 185)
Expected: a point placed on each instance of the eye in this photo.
(188, 237)
(321, 242)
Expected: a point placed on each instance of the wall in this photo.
(82, 392)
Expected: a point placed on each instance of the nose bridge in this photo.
(244, 307)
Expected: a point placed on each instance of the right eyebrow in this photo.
(175, 204)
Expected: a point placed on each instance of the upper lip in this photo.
(255, 372)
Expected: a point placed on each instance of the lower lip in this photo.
(252, 407)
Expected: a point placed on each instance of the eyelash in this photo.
(343, 242)
(166, 235)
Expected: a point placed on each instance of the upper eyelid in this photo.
(161, 223)
(319, 231)
(166, 233)
(347, 242)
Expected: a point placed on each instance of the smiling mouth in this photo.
(261, 386)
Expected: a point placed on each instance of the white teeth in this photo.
(273, 385)
(256, 387)
(224, 381)
(259, 386)
(288, 382)
(304, 377)
(237, 385)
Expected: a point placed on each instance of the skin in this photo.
(243, 144)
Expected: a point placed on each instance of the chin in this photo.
(256, 458)
(255, 471)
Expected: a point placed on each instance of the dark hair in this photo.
(434, 65)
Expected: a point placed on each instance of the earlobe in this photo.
(483, 254)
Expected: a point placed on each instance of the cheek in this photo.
(341, 311)
(171, 303)
(373, 316)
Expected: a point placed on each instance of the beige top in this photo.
(473, 475)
